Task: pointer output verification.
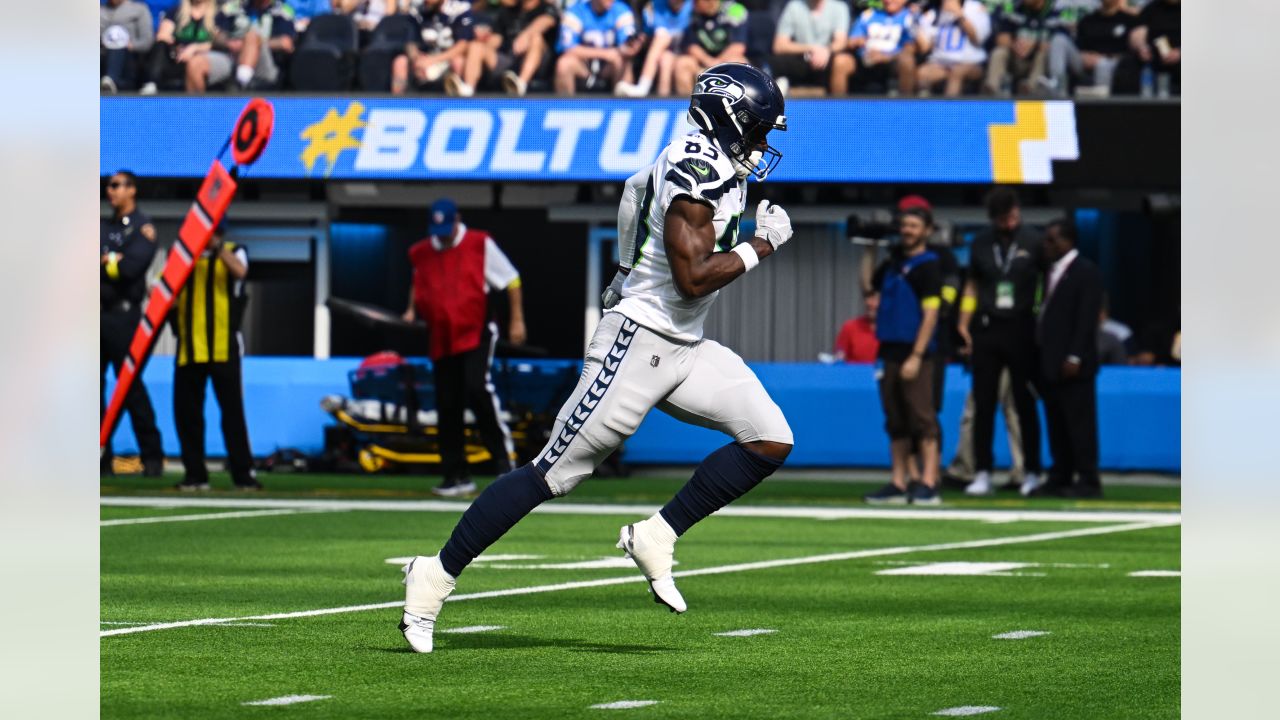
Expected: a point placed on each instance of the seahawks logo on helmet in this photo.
(721, 85)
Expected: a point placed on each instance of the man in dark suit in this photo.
(1067, 332)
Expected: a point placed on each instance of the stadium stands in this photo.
(1039, 48)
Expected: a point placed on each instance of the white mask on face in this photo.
(743, 169)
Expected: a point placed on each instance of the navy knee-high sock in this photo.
(726, 475)
(491, 515)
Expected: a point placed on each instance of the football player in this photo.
(680, 221)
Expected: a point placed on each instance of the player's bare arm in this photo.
(690, 242)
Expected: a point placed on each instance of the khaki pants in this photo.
(962, 464)
(1024, 70)
(908, 404)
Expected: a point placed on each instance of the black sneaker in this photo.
(192, 485)
(890, 494)
(922, 494)
(1085, 491)
(250, 485)
(152, 468)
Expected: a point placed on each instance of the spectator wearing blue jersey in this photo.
(881, 44)
(664, 24)
(717, 33)
(597, 40)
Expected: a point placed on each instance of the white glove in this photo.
(772, 224)
(613, 294)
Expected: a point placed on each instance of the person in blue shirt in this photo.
(881, 42)
(664, 22)
(597, 41)
(909, 284)
(717, 33)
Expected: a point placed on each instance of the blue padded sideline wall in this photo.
(834, 412)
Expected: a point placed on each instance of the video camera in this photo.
(879, 228)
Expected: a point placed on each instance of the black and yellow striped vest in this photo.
(209, 310)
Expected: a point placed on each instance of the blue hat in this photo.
(443, 214)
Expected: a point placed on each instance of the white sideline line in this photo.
(560, 508)
(718, 570)
(213, 516)
(624, 704)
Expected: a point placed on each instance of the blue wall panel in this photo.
(834, 412)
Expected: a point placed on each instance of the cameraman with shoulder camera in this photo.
(206, 317)
(128, 243)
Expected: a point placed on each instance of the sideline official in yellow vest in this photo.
(207, 318)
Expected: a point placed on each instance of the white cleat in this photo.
(981, 485)
(654, 556)
(426, 585)
(1030, 484)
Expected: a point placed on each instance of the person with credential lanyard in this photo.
(997, 326)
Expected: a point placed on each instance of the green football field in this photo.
(802, 603)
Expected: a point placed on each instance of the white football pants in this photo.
(627, 371)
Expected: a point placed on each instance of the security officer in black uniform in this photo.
(998, 326)
(206, 318)
(127, 248)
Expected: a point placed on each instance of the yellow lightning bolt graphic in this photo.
(331, 136)
(1006, 140)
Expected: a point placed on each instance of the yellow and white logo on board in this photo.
(1024, 151)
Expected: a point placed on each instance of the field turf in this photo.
(846, 641)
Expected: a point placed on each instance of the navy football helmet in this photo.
(737, 105)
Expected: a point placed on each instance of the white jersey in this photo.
(951, 45)
(691, 167)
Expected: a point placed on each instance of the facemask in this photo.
(744, 168)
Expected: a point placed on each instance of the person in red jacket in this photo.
(453, 271)
(856, 342)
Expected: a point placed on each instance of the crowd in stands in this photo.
(1045, 48)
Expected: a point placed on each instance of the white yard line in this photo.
(965, 710)
(1019, 634)
(288, 700)
(717, 570)
(746, 633)
(562, 508)
(213, 516)
(470, 629)
(1156, 573)
(624, 704)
